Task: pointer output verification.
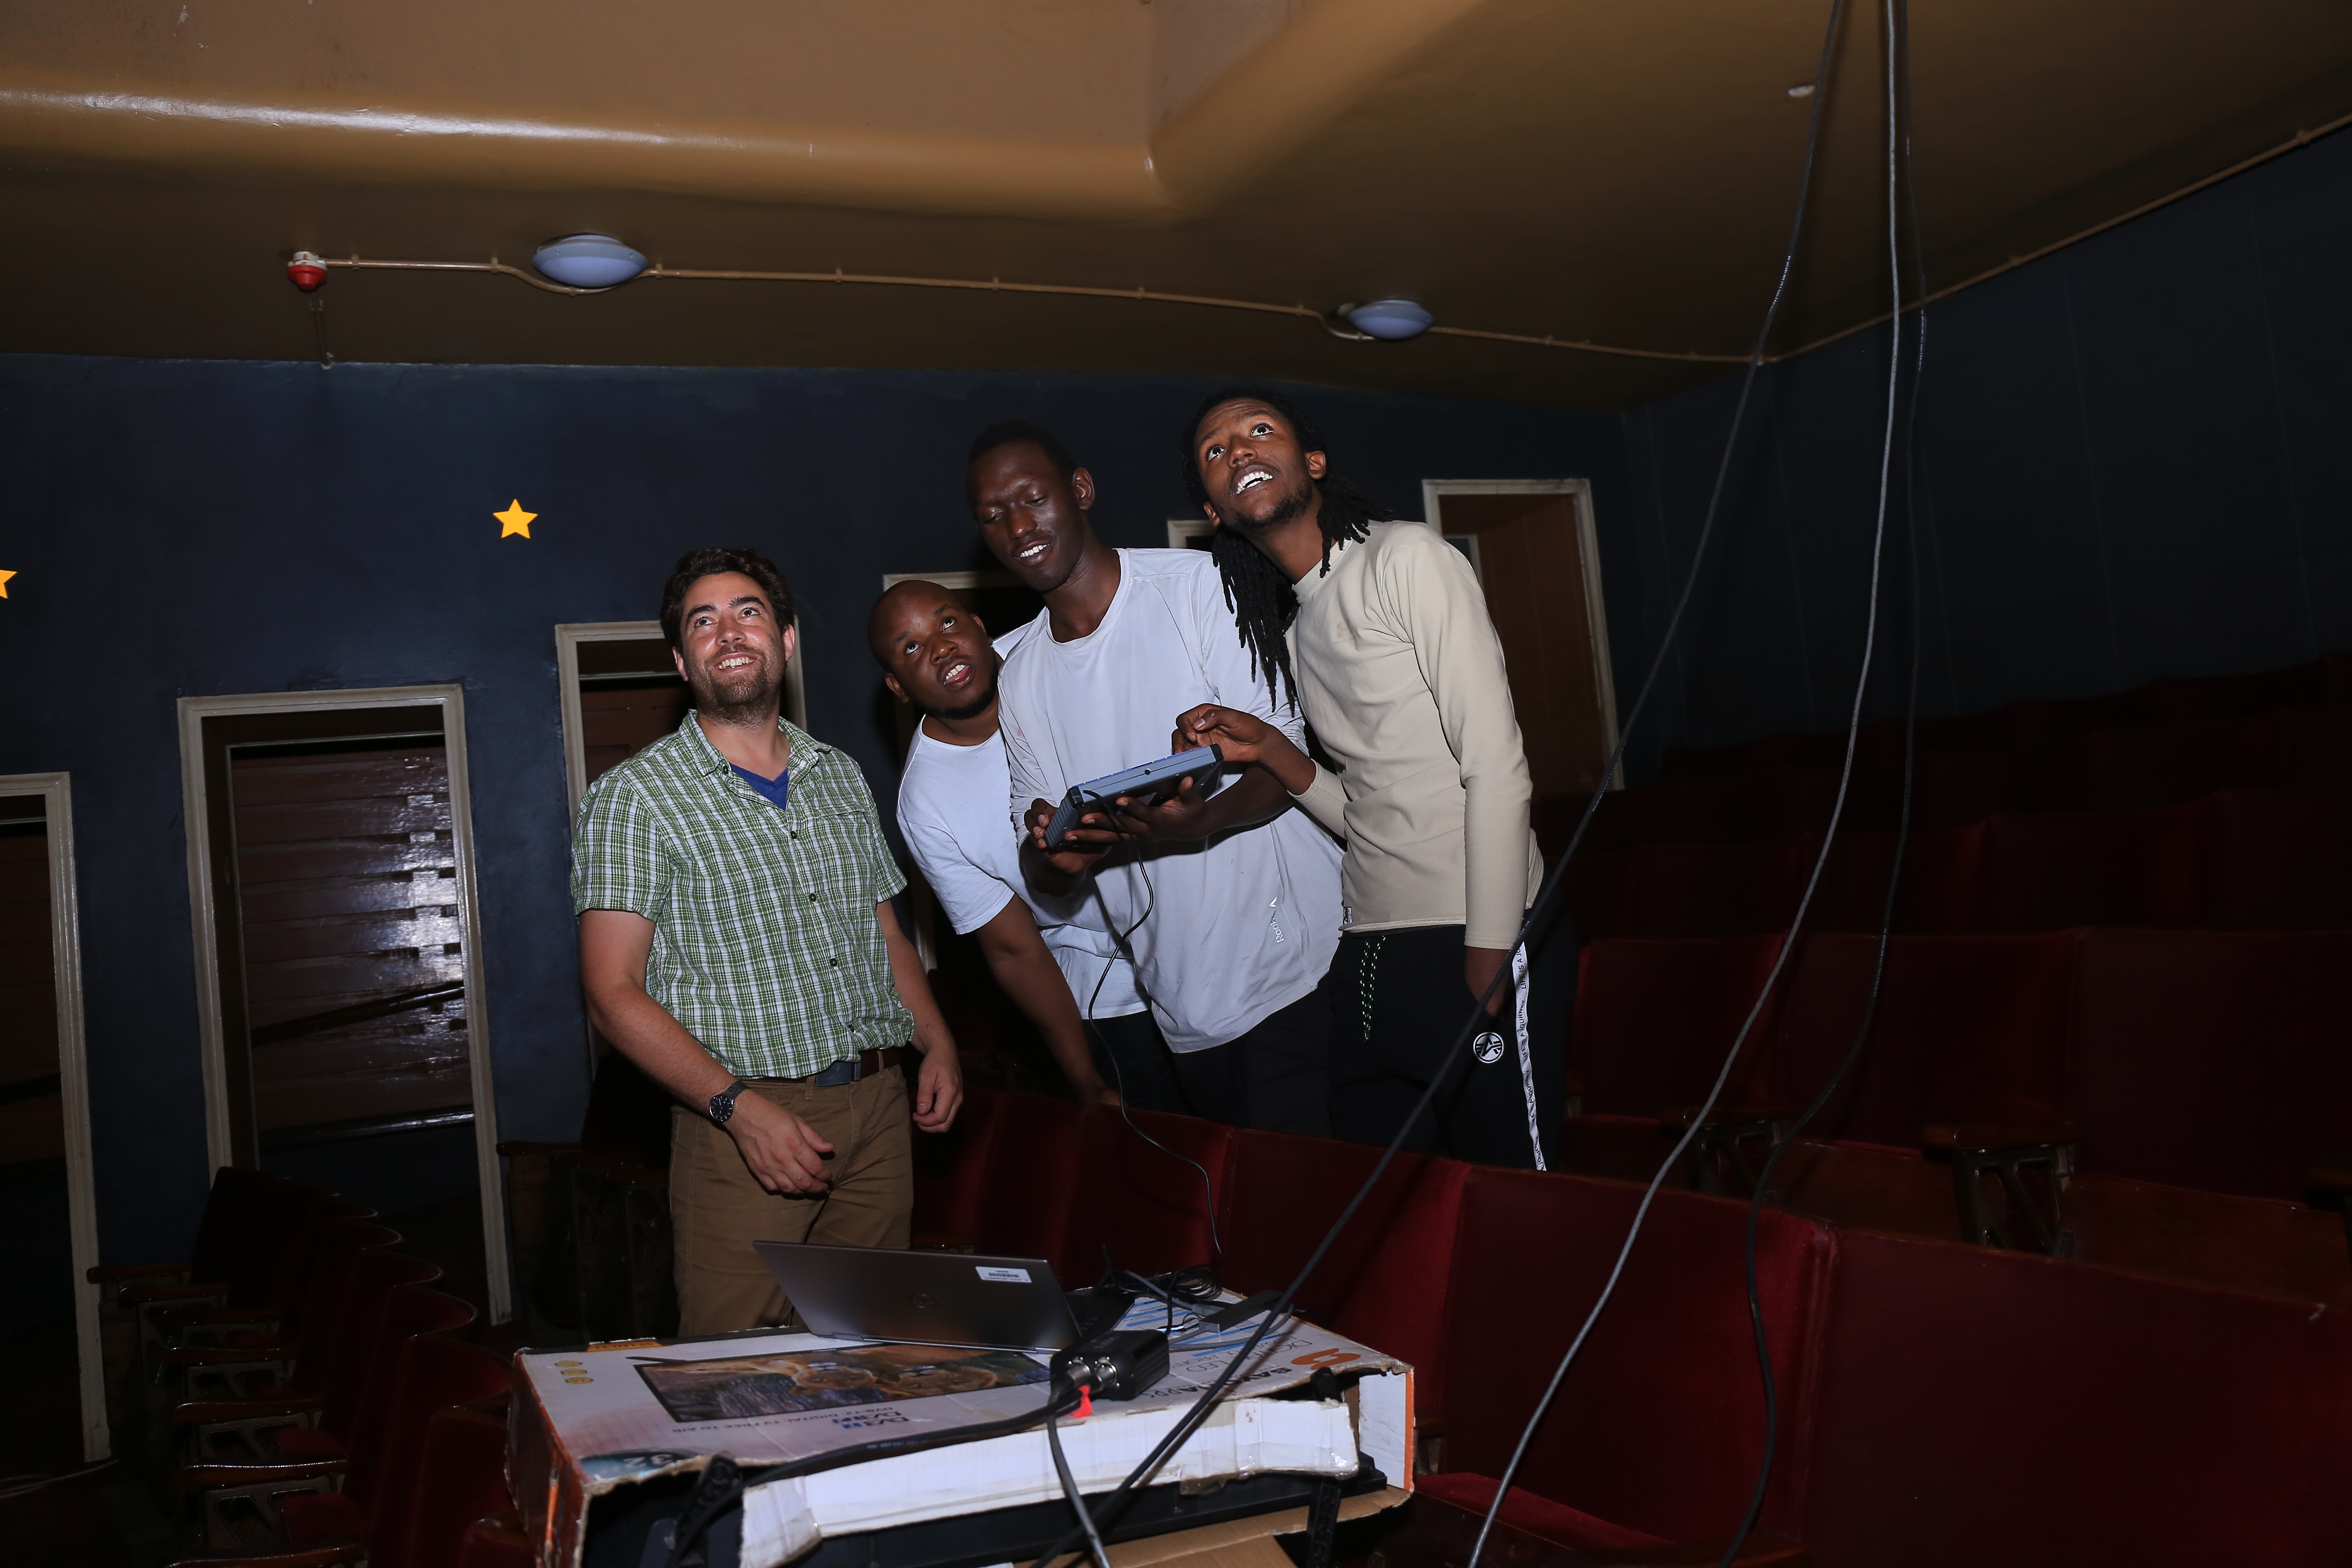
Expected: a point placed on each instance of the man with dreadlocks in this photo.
(1228, 906)
(1380, 632)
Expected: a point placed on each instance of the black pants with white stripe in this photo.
(1398, 1001)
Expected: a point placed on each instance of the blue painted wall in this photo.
(2134, 460)
(197, 528)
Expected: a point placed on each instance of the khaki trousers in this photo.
(718, 1209)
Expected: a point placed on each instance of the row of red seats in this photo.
(310, 1392)
(2271, 859)
(2047, 727)
(1940, 1404)
(2203, 1060)
(2105, 770)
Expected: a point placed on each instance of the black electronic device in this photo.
(1118, 1363)
(1144, 782)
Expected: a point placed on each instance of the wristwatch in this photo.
(722, 1104)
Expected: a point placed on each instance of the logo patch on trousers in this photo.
(1488, 1047)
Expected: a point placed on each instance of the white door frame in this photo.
(1588, 551)
(213, 1030)
(56, 791)
(570, 634)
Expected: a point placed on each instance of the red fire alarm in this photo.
(306, 272)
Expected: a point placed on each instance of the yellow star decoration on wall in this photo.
(514, 520)
(4, 583)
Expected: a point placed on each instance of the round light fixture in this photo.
(588, 261)
(1388, 319)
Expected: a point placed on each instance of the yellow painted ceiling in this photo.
(1615, 174)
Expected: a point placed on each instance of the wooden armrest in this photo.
(203, 1478)
(1983, 1137)
(491, 1404)
(1676, 1117)
(310, 1557)
(204, 1412)
(140, 1295)
(2332, 1175)
(115, 1273)
(221, 1356)
(1428, 1424)
(197, 1314)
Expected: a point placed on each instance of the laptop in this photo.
(932, 1298)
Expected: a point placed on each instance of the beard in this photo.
(981, 701)
(1288, 506)
(745, 696)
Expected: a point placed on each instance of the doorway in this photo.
(45, 1155)
(330, 871)
(1533, 544)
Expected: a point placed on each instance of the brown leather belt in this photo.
(848, 1069)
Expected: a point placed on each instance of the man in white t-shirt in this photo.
(1227, 900)
(1053, 957)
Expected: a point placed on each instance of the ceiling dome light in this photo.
(588, 261)
(1388, 319)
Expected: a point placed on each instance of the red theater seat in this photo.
(1710, 889)
(1937, 896)
(1145, 1185)
(1978, 1407)
(2176, 762)
(1734, 807)
(1383, 1282)
(2281, 861)
(391, 1511)
(2201, 699)
(2049, 871)
(1032, 1163)
(2318, 745)
(2214, 1061)
(1968, 1029)
(1659, 1426)
(951, 1170)
(1654, 1018)
(1952, 789)
(1869, 1186)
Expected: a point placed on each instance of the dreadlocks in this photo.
(1256, 590)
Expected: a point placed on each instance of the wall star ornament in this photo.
(514, 520)
(4, 583)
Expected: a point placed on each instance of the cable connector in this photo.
(1120, 1364)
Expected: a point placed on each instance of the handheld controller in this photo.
(1201, 764)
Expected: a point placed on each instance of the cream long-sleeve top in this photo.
(1400, 674)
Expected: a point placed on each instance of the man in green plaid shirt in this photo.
(736, 942)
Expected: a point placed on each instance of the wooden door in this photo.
(32, 1110)
(353, 930)
(1543, 590)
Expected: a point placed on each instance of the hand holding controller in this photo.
(1185, 773)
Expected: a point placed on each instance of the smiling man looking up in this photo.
(1380, 628)
(736, 942)
(1051, 955)
(1229, 905)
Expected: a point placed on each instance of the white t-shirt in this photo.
(947, 809)
(951, 810)
(1230, 930)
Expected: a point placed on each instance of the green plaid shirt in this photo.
(766, 944)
